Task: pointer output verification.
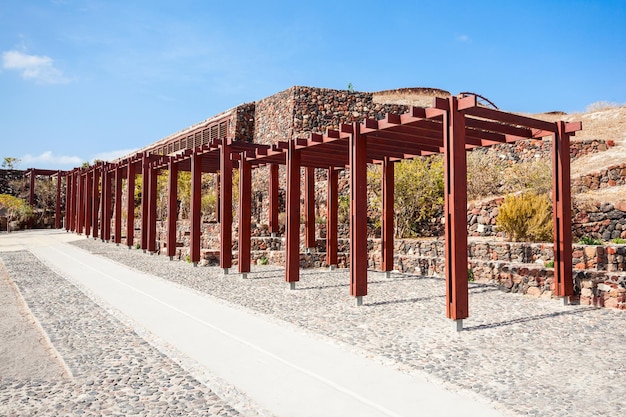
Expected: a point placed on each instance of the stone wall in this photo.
(608, 177)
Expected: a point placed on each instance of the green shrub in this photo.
(588, 240)
(618, 241)
(549, 264)
(526, 217)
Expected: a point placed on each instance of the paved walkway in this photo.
(286, 371)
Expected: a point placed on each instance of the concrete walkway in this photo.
(286, 371)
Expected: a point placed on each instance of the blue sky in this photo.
(85, 79)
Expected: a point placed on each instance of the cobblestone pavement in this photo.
(115, 372)
(531, 356)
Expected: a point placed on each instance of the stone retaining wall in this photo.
(608, 177)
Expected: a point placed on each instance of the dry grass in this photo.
(606, 195)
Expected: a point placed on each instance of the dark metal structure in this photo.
(450, 127)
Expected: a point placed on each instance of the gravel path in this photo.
(530, 356)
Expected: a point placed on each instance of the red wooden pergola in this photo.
(450, 127)
(31, 174)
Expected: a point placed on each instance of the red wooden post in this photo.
(562, 201)
(130, 206)
(455, 214)
(309, 207)
(103, 202)
(245, 212)
(69, 200)
(226, 208)
(118, 205)
(387, 231)
(57, 212)
(152, 208)
(95, 205)
(172, 207)
(145, 200)
(358, 214)
(31, 196)
(218, 196)
(80, 202)
(273, 204)
(196, 199)
(88, 201)
(106, 215)
(332, 210)
(292, 231)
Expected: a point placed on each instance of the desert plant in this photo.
(534, 176)
(588, 240)
(484, 174)
(526, 217)
(549, 264)
(263, 261)
(618, 241)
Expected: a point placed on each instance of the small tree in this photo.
(10, 162)
(14, 209)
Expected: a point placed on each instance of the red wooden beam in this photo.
(245, 212)
(455, 167)
(273, 196)
(561, 196)
(309, 207)
(292, 231)
(358, 214)
(226, 208)
(130, 205)
(332, 210)
(152, 208)
(118, 205)
(387, 231)
(172, 207)
(196, 199)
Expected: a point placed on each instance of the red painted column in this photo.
(309, 207)
(562, 202)
(152, 208)
(130, 206)
(196, 198)
(332, 210)
(88, 202)
(103, 201)
(69, 200)
(358, 214)
(245, 213)
(106, 206)
(172, 207)
(117, 237)
(80, 201)
(226, 208)
(218, 196)
(57, 212)
(455, 167)
(273, 204)
(292, 231)
(387, 231)
(31, 196)
(95, 205)
(145, 200)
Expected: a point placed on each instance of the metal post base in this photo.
(244, 275)
(274, 234)
(458, 325)
(195, 264)
(387, 274)
(565, 300)
(171, 258)
(292, 285)
(225, 271)
(359, 300)
(332, 267)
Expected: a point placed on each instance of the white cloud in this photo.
(463, 38)
(109, 156)
(33, 67)
(49, 160)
